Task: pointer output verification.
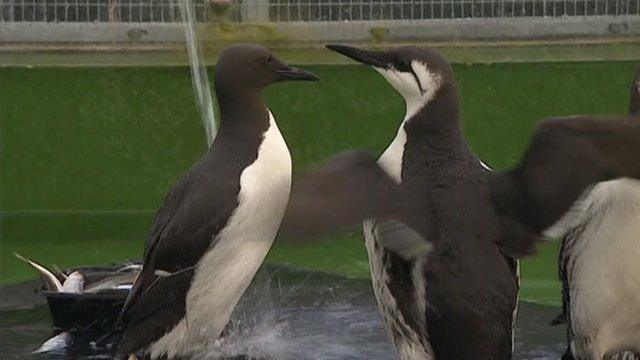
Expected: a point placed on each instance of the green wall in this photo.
(89, 153)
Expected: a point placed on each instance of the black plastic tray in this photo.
(89, 311)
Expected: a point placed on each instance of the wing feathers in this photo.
(396, 236)
(565, 158)
(184, 228)
(345, 190)
(157, 305)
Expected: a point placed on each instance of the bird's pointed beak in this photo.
(371, 58)
(292, 73)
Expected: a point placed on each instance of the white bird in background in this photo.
(600, 269)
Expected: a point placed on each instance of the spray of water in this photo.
(286, 315)
(255, 330)
(199, 77)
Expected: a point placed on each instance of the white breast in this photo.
(391, 159)
(604, 272)
(410, 347)
(224, 272)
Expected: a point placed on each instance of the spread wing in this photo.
(566, 157)
(195, 210)
(345, 190)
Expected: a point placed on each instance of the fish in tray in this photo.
(84, 300)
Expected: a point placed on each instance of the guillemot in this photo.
(599, 266)
(429, 152)
(218, 222)
(456, 299)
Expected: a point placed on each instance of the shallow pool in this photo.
(286, 314)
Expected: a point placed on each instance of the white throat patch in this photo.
(418, 93)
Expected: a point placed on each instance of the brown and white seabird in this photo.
(218, 222)
(455, 296)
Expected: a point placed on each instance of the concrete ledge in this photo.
(173, 54)
(360, 31)
(29, 32)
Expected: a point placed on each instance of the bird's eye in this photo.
(403, 64)
(268, 58)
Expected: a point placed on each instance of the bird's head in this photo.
(417, 73)
(253, 67)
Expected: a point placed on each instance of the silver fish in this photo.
(74, 283)
(51, 282)
(57, 343)
(124, 280)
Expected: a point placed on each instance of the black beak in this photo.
(295, 74)
(372, 58)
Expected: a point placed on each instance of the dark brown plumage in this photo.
(201, 204)
(470, 216)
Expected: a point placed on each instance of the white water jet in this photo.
(199, 77)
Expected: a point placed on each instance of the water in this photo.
(286, 314)
(199, 77)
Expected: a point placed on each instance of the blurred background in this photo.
(98, 118)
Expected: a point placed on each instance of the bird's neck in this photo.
(435, 126)
(243, 111)
(428, 132)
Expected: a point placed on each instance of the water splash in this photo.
(286, 314)
(199, 77)
(255, 329)
(301, 319)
